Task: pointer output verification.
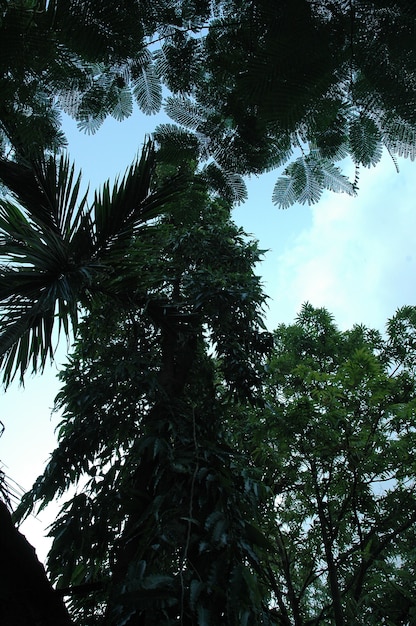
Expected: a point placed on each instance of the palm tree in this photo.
(57, 253)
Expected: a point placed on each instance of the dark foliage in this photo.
(255, 83)
(336, 444)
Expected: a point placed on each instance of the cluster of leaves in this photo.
(163, 514)
(81, 57)
(337, 443)
(327, 79)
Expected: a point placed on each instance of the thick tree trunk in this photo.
(27, 598)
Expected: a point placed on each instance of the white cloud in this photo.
(357, 258)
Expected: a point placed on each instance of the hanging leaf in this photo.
(186, 112)
(302, 181)
(123, 104)
(90, 124)
(147, 88)
(284, 192)
(365, 141)
(334, 180)
(176, 144)
(228, 184)
(399, 137)
(236, 186)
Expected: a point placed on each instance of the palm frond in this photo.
(25, 337)
(57, 253)
(43, 265)
(131, 202)
(38, 283)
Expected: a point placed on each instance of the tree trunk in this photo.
(332, 569)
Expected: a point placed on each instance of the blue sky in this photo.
(355, 256)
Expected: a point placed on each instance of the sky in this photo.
(354, 256)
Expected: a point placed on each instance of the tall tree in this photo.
(166, 511)
(336, 444)
(126, 260)
(172, 510)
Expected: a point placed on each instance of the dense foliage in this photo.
(296, 510)
(337, 444)
(321, 80)
(165, 513)
(251, 83)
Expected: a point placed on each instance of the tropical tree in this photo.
(319, 80)
(83, 58)
(172, 509)
(337, 445)
(169, 490)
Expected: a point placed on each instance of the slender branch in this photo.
(293, 599)
(190, 514)
(191, 29)
(285, 620)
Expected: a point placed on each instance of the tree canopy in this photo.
(336, 442)
(301, 508)
(164, 523)
(251, 84)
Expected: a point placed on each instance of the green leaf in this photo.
(284, 192)
(147, 89)
(186, 112)
(123, 104)
(302, 182)
(334, 180)
(365, 141)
